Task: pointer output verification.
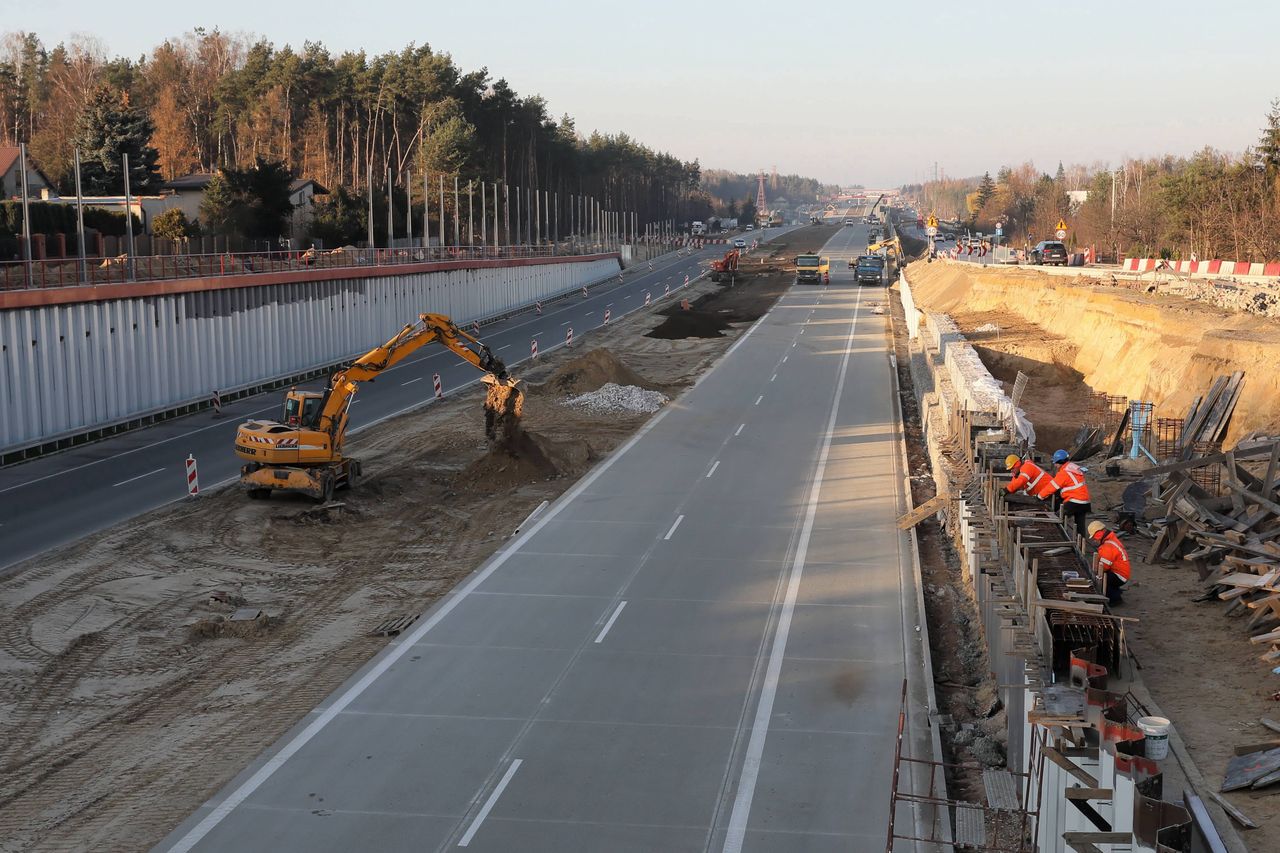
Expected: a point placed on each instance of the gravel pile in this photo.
(613, 398)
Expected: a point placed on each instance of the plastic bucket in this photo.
(1156, 730)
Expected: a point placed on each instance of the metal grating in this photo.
(394, 626)
(1168, 438)
(1002, 793)
(971, 826)
(1207, 477)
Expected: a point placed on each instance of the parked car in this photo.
(739, 243)
(751, 228)
(1049, 253)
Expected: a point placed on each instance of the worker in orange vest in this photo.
(1113, 560)
(1073, 491)
(1029, 477)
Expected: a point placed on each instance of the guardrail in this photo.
(72, 272)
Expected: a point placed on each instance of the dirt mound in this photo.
(591, 371)
(711, 315)
(527, 457)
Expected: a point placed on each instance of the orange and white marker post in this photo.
(646, 299)
(538, 307)
(435, 380)
(475, 329)
(217, 404)
(533, 349)
(193, 478)
(606, 316)
(568, 337)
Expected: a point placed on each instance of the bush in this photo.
(174, 225)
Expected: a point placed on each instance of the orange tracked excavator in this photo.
(303, 451)
(725, 268)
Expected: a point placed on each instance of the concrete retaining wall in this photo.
(70, 366)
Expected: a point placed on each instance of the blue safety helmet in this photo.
(1060, 456)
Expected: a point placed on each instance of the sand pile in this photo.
(591, 371)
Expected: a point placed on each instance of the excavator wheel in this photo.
(259, 494)
(327, 488)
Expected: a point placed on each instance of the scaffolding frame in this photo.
(1014, 830)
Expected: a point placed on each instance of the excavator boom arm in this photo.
(430, 328)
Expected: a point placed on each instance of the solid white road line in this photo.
(736, 832)
(758, 399)
(500, 349)
(139, 477)
(671, 532)
(411, 381)
(713, 469)
(488, 804)
(738, 431)
(612, 619)
(567, 323)
(773, 377)
(784, 358)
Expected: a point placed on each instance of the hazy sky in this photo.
(842, 91)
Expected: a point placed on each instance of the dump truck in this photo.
(302, 452)
(811, 268)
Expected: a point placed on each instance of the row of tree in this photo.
(1211, 204)
(210, 101)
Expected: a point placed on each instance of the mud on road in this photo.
(128, 696)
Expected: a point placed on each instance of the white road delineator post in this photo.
(619, 277)
(584, 291)
(435, 380)
(666, 288)
(193, 478)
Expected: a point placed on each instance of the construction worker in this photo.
(1029, 477)
(1073, 492)
(1113, 560)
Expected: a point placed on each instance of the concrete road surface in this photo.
(700, 646)
(60, 498)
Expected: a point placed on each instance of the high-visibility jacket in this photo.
(1071, 484)
(1112, 557)
(1032, 479)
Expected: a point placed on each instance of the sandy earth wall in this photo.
(1145, 346)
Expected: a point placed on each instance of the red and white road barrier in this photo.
(538, 307)
(686, 281)
(217, 404)
(650, 266)
(646, 298)
(619, 276)
(533, 348)
(568, 337)
(584, 291)
(606, 315)
(435, 380)
(193, 478)
(475, 328)
(666, 288)
(1213, 267)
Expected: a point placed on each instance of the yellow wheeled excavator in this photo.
(303, 451)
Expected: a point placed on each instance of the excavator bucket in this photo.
(503, 406)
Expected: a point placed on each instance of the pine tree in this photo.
(1061, 177)
(1269, 144)
(218, 208)
(986, 190)
(106, 129)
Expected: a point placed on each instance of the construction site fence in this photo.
(122, 269)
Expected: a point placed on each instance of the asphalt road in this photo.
(700, 646)
(65, 496)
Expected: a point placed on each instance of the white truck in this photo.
(697, 229)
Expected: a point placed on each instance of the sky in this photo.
(846, 92)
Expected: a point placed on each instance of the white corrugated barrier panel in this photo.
(79, 366)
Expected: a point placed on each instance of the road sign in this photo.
(1062, 233)
(999, 230)
(933, 221)
(932, 231)
(1061, 226)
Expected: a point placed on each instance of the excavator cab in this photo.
(302, 408)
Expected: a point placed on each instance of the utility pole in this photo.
(471, 204)
(441, 211)
(408, 208)
(26, 218)
(457, 209)
(368, 186)
(391, 214)
(128, 212)
(426, 209)
(84, 264)
(484, 215)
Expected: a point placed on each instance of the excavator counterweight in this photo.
(303, 451)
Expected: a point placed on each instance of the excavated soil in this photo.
(1146, 346)
(127, 697)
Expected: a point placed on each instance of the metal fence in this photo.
(70, 272)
